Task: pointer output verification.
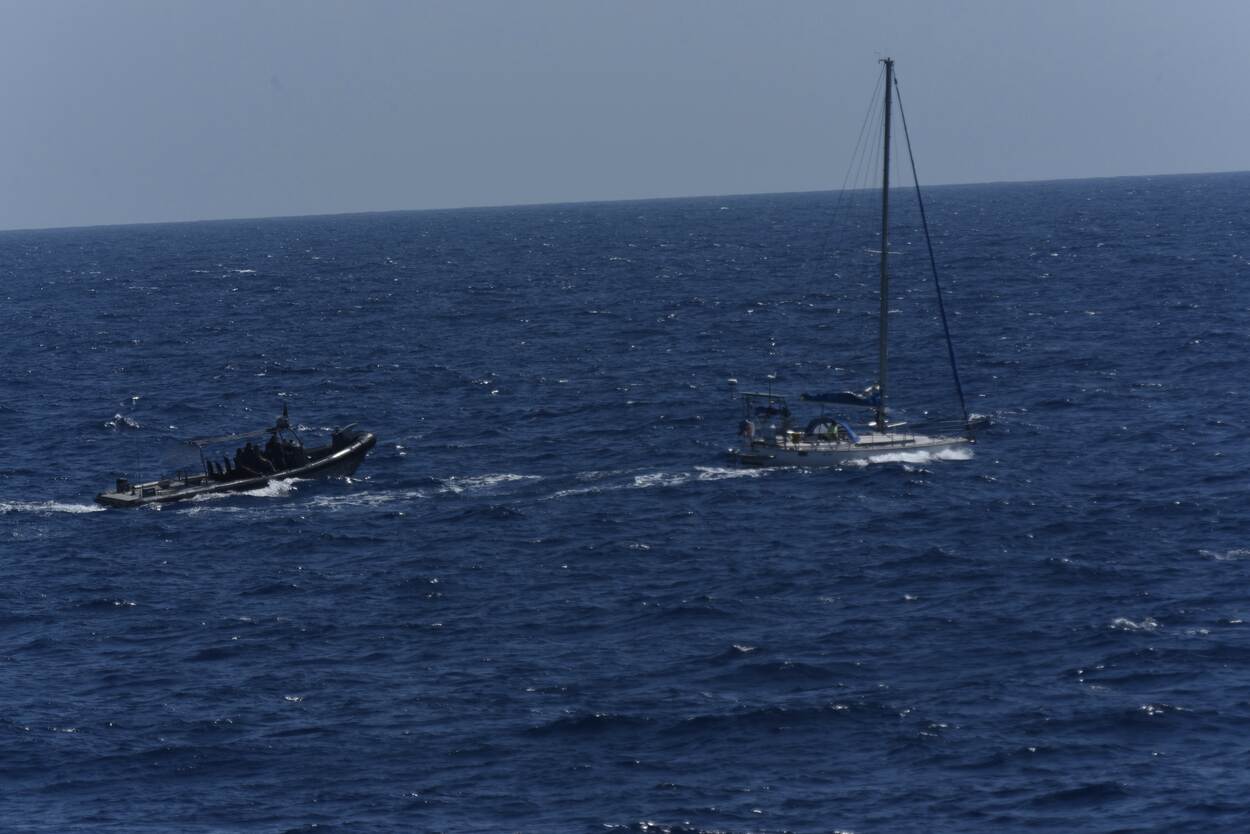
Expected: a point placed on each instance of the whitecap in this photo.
(1159, 709)
(121, 421)
(1237, 554)
(565, 493)
(1125, 624)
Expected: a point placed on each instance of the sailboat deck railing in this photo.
(791, 438)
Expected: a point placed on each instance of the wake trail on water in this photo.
(47, 507)
(497, 484)
(920, 457)
(209, 501)
(484, 483)
(520, 488)
(634, 479)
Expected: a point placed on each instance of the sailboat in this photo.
(769, 434)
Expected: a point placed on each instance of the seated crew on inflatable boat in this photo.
(249, 466)
(274, 452)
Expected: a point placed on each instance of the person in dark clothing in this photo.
(258, 463)
(274, 451)
(293, 454)
(245, 458)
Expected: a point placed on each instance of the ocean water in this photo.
(548, 602)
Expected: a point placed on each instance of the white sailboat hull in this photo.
(871, 448)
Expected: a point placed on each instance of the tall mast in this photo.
(883, 327)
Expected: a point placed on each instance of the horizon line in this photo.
(481, 207)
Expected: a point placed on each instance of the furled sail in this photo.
(869, 398)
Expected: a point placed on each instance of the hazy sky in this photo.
(123, 111)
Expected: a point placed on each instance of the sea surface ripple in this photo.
(548, 602)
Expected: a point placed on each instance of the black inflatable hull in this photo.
(327, 463)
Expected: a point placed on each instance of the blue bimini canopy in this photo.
(850, 432)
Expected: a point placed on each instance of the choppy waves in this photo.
(548, 602)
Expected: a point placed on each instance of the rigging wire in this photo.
(845, 228)
(861, 156)
(937, 284)
(845, 200)
(871, 171)
(856, 238)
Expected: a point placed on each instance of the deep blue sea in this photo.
(548, 601)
